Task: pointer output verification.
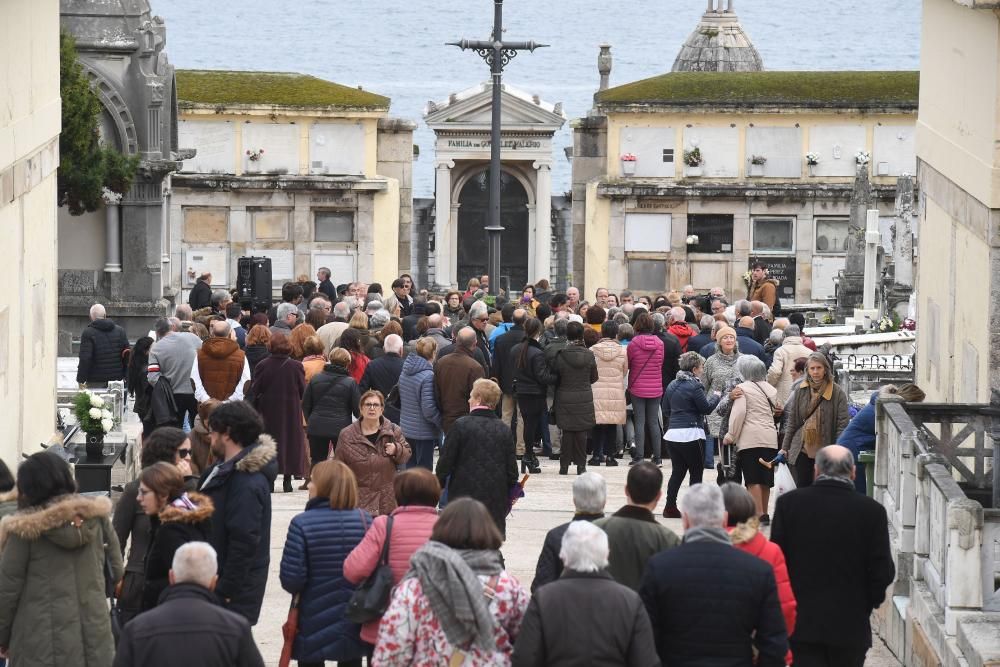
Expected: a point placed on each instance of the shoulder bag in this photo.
(371, 598)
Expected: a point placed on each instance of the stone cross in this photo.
(872, 240)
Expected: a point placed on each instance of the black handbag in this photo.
(115, 611)
(371, 598)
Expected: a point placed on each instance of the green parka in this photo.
(53, 606)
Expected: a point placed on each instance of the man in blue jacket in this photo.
(240, 486)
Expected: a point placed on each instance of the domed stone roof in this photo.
(718, 44)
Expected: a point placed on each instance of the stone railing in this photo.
(945, 545)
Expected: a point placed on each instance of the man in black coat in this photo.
(709, 603)
(746, 341)
(503, 371)
(836, 545)
(102, 345)
(409, 322)
(240, 487)
(478, 454)
(382, 374)
(200, 295)
(590, 493)
(188, 627)
(325, 285)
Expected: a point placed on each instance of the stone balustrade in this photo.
(946, 546)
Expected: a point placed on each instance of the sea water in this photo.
(398, 48)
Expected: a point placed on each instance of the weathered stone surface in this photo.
(718, 44)
(206, 225)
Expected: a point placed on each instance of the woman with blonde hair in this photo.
(313, 360)
(330, 404)
(297, 338)
(372, 448)
(312, 567)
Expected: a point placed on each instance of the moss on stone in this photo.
(811, 89)
(283, 89)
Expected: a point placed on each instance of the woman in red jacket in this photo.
(417, 494)
(744, 532)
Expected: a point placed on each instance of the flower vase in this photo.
(756, 169)
(628, 167)
(812, 169)
(95, 444)
(693, 171)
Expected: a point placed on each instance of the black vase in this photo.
(95, 444)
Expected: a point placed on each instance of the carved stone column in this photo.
(443, 257)
(543, 222)
(113, 244)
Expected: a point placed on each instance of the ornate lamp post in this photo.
(497, 53)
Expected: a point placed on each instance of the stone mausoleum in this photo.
(115, 255)
(689, 176)
(304, 171)
(535, 242)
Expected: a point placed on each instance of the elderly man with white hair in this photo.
(584, 618)
(382, 374)
(330, 332)
(590, 493)
(836, 546)
(101, 346)
(188, 627)
(709, 603)
(287, 316)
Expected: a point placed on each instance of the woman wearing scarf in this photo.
(720, 369)
(457, 605)
(175, 518)
(817, 414)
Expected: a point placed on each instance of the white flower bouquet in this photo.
(92, 413)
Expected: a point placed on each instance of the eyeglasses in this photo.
(482, 319)
(372, 406)
(184, 452)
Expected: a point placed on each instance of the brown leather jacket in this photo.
(374, 468)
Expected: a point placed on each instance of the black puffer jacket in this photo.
(330, 402)
(535, 377)
(503, 362)
(671, 356)
(479, 456)
(383, 374)
(101, 347)
(240, 489)
(577, 370)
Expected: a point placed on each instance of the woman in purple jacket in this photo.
(645, 385)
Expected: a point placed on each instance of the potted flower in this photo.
(757, 163)
(94, 418)
(628, 164)
(862, 157)
(692, 162)
(253, 159)
(812, 159)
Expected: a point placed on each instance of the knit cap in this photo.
(725, 331)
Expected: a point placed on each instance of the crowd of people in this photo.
(406, 416)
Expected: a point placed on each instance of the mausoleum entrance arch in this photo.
(517, 210)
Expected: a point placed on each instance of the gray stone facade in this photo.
(121, 48)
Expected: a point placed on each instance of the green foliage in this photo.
(222, 87)
(692, 158)
(808, 89)
(85, 166)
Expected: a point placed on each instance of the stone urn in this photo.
(95, 444)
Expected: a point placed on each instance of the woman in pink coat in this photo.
(417, 494)
(645, 385)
